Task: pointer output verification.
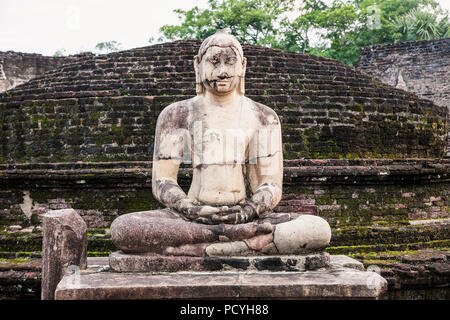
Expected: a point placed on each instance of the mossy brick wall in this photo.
(17, 67)
(104, 108)
(421, 67)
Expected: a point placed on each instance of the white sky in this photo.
(46, 26)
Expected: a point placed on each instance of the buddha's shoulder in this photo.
(265, 114)
(176, 113)
(178, 106)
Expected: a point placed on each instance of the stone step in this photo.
(336, 282)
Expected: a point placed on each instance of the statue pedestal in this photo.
(342, 279)
(124, 262)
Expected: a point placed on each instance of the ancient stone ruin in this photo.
(17, 67)
(421, 67)
(365, 156)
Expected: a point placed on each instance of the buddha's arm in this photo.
(265, 172)
(170, 139)
(164, 183)
(266, 180)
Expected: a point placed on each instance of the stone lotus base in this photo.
(343, 279)
(122, 262)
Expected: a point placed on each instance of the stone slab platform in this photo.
(335, 282)
(122, 262)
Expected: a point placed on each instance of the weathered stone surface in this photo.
(122, 262)
(64, 244)
(228, 249)
(408, 66)
(345, 262)
(440, 268)
(424, 256)
(18, 67)
(301, 234)
(337, 283)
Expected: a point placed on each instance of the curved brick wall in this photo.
(422, 67)
(104, 108)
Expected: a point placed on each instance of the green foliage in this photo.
(59, 53)
(108, 46)
(421, 25)
(335, 29)
(251, 21)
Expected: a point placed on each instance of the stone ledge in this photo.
(122, 262)
(334, 283)
(310, 171)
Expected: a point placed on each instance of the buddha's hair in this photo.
(220, 39)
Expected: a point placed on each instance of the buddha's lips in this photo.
(223, 80)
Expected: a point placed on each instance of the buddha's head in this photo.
(220, 65)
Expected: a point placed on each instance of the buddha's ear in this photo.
(242, 81)
(198, 81)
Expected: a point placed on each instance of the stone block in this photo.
(64, 244)
(124, 262)
(345, 262)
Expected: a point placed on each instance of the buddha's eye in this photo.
(231, 60)
(214, 60)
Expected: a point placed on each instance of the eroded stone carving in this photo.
(234, 146)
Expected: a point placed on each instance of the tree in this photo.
(109, 46)
(59, 53)
(250, 21)
(421, 25)
(339, 22)
(335, 29)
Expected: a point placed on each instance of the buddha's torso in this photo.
(220, 152)
(219, 142)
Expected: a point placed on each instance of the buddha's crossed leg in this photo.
(168, 232)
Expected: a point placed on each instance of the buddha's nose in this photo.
(222, 73)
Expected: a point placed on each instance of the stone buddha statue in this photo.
(234, 146)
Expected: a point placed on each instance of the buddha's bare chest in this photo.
(221, 140)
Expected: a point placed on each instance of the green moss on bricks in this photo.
(98, 253)
(14, 261)
(118, 134)
(104, 201)
(362, 249)
(34, 220)
(372, 236)
(101, 245)
(95, 115)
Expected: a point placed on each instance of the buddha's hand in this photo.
(200, 213)
(236, 214)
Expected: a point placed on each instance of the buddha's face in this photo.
(220, 70)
